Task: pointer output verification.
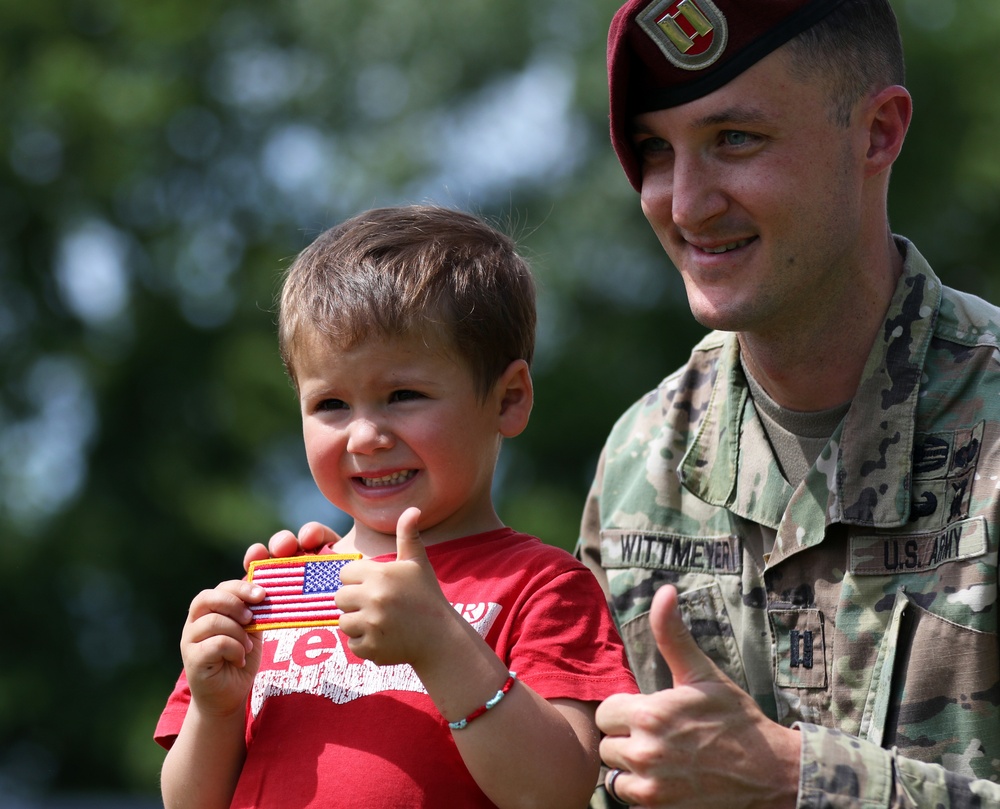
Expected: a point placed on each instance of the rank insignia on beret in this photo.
(692, 34)
(301, 591)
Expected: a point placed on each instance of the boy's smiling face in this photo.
(396, 422)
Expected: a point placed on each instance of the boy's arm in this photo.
(203, 765)
(526, 751)
(221, 658)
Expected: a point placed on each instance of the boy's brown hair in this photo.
(418, 269)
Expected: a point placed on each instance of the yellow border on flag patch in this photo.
(287, 561)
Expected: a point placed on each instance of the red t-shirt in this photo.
(327, 729)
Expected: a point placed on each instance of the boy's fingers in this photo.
(206, 653)
(313, 536)
(215, 625)
(283, 544)
(255, 553)
(230, 599)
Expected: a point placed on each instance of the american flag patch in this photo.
(300, 591)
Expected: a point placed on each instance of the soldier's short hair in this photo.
(856, 48)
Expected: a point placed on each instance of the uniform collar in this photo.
(863, 476)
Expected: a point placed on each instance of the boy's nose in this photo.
(366, 435)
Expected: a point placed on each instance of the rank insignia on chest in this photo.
(799, 648)
(801, 643)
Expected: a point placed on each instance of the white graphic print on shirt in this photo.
(312, 660)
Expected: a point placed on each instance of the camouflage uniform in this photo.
(872, 624)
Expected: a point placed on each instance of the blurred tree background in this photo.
(163, 162)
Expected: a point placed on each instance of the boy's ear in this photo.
(516, 398)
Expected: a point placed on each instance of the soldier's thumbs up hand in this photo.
(688, 663)
(704, 742)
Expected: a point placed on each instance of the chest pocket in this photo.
(935, 692)
(935, 688)
(704, 612)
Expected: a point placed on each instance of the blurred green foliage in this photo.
(162, 162)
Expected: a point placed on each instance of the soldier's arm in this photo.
(835, 766)
(588, 548)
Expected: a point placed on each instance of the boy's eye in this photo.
(331, 404)
(404, 396)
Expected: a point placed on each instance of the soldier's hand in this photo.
(702, 743)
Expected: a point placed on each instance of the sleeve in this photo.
(588, 547)
(169, 724)
(841, 770)
(566, 642)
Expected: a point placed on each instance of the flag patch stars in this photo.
(300, 591)
(323, 577)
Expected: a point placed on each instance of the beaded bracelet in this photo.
(492, 702)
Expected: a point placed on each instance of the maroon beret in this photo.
(662, 53)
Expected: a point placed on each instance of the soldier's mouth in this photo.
(725, 248)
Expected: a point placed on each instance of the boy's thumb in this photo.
(688, 663)
(409, 546)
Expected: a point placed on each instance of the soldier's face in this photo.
(756, 194)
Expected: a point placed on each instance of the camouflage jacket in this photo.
(872, 624)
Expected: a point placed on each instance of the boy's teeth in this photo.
(388, 480)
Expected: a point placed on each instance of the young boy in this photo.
(408, 334)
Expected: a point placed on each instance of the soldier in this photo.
(797, 530)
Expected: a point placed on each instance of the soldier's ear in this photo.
(886, 117)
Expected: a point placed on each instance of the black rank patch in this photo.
(799, 648)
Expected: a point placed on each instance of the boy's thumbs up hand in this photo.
(703, 743)
(392, 611)
(409, 546)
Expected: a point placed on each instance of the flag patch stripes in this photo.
(301, 591)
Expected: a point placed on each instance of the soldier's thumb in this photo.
(688, 663)
(409, 546)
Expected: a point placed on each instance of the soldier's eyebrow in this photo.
(731, 116)
(735, 116)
